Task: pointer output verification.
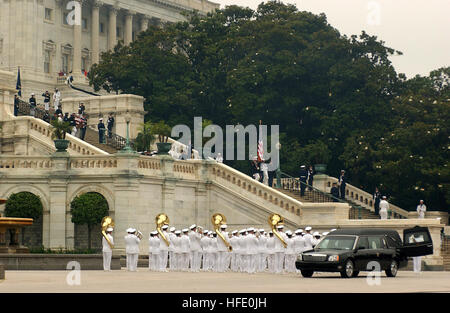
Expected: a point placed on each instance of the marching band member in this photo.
(185, 251)
(234, 244)
(240, 251)
(222, 250)
(164, 250)
(289, 259)
(132, 249)
(308, 238)
(279, 251)
(204, 243)
(196, 249)
(177, 250)
(154, 252)
(106, 249)
(270, 248)
(316, 239)
(252, 250)
(262, 245)
(245, 255)
(299, 242)
(170, 237)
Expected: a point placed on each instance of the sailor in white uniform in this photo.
(316, 239)
(308, 238)
(235, 245)
(253, 251)
(279, 250)
(262, 244)
(185, 251)
(106, 249)
(384, 207)
(170, 237)
(270, 248)
(204, 243)
(176, 242)
(289, 259)
(164, 249)
(299, 242)
(421, 209)
(245, 256)
(213, 254)
(132, 249)
(196, 249)
(222, 250)
(154, 251)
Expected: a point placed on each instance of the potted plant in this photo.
(163, 131)
(59, 135)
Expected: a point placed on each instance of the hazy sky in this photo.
(418, 28)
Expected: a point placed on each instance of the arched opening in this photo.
(87, 211)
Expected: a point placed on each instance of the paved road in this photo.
(175, 282)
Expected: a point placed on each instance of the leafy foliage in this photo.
(333, 96)
(24, 205)
(60, 129)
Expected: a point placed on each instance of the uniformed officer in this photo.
(176, 242)
(245, 256)
(299, 242)
(270, 247)
(421, 209)
(308, 238)
(316, 238)
(185, 251)
(262, 244)
(170, 237)
(196, 249)
(252, 250)
(342, 182)
(279, 250)
(154, 252)
(204, 243)
(164, 249)
(107, 251)
(132, 249)
(235, 245)
(289, 258)
(384, 207)
(222, 250)
(303, 178)
(213, 254)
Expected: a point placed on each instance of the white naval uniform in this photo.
(154, 253)
(56, 99)
(308, 241)
(204, 243)
(222, 251)
(176, 252)
(132, 251)
(384, 207)
(421, 209)
(164, 252)
(185, 253)
(235, 245)
(279, 253)
(212, 254)
(262, 264)
(299, 244)
(270, 248)
(195, 251)
(289, 259)
(253, 252)
(245, 255)
(170, 237)
(107, 252)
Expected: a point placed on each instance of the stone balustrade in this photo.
(354, 194)
(25, 162)
(92, 162)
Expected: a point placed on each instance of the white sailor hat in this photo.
(178, 232)
(303, 166)
(261, 230)
(280, 226)
(316, 234)
(172, 229)
(289, 233)
(298, 231)
(130, 230)
(223, 226)
(192, 226)
(154, 232)
(325, 233)
(165, 226)
(242, 231)
(234, 232)
(109, 229)
(185, 230)
(270, 232)
(308, 228)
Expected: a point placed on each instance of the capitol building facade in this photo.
(39, 36)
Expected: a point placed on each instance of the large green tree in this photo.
(328, 92)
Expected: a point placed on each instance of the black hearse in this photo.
(350, 251)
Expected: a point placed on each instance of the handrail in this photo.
(116, 141)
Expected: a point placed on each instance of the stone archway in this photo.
(35, 234)
(81, 232)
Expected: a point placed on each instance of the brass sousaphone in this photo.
(107, 222)
(217, 220)
(274, 221)
(162, 219)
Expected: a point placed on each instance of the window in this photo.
(118, 32)
(65, 15)
(337, 243)
(102, 28)
(363, 243)
(65, 63)
(47, 61)
(375, 242)
(84, 23)
(417, 237)
(48, 14)
(391, 243)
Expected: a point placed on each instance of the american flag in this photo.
(260, 152)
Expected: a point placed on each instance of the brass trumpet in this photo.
(139, 234)
(217, 220)
(162, 219)
(107, 221)
(275, 220)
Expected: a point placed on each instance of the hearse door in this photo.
(417, 242)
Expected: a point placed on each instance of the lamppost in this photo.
(278, 171)
(127, 147)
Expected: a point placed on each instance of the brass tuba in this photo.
(107, 221)
(217, 220)
(275, 220)
(162, 219)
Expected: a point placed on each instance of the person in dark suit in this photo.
(342, 184)
(32, 105)
(303, 177)
(110, 125)
(310, 177)
(101, 131)
(335, 192)
(255, 169)
(16, 105)
(377, 199)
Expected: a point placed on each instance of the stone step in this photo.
(92, 138)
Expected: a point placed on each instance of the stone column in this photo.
(76, 68)
(95, 31)
(112, 27)
(128, 36)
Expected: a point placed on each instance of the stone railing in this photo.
(93, 162)
(39, 128)
(25, 162)
(357, 195)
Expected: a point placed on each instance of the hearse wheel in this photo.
(348, 270)
(307, 273)
(392, 270)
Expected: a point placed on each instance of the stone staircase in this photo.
(310, 197)
(92, 138)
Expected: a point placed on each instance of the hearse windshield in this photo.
(336, 243)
